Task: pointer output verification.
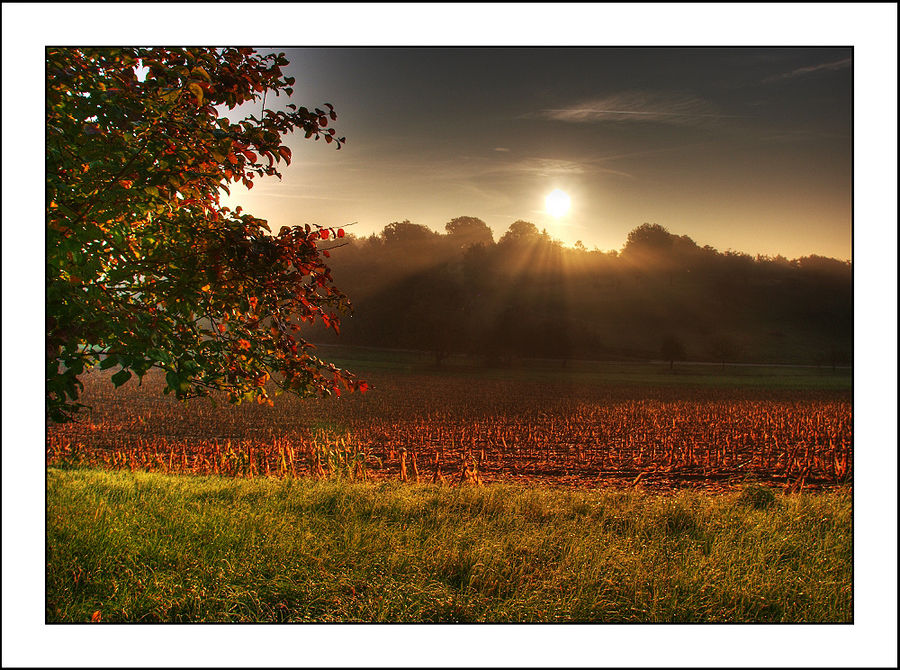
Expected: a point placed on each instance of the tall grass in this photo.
(141, 547)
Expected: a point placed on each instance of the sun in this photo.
(558, 203)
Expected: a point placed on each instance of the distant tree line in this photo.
(526, 295)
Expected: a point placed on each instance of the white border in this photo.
(870, 28)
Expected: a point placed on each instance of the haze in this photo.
(740, 148)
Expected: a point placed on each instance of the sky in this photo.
(748, 149)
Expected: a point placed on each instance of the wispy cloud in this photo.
(800, 136)
(543, 167)
(547, 167)
(638, 107)
(809, 69)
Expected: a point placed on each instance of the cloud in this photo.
(545, 167)
(638, 107)
(800, 136)
(500, 149)
(809, 69)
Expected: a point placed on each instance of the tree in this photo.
(521, 232)
(468, 231)
(145, 269)
(407, 233)
(648, 237)
(672, 350)
(723, 348)
(431, 313)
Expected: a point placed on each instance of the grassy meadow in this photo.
(146, 547)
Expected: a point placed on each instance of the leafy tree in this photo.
(145, 269)
(469, 230)
(407, 233)
(521, 232)
(650, 237)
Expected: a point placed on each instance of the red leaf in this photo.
(95, 617)
(324, 234)
(340, 232)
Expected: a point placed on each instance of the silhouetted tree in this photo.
(648, 237)
(723, 348)
(520, 232)
(404, 232)
(469, 230)
(672, 350)
(432, 312)
(529, 296)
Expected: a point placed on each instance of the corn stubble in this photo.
(458, 431)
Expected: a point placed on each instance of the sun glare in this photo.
(558, 203)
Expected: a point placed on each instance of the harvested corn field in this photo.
(457, 430)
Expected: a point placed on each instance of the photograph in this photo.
(568, 337)
(481, 338)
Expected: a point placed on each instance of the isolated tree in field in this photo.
(672, 350)
(144, 267)
(724, 349)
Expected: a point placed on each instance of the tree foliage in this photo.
(649, 237)
(521, 232)
(528, 295)
(145, 268)
(469, 230)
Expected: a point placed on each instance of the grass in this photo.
(642, 373)
(141, 547)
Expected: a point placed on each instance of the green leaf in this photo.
(121, 377)
(108, 362)
(172, 380)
